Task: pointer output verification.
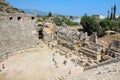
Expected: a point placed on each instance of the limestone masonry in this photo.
(89, 49)
(17, 31)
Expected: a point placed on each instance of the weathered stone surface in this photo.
(16, 34)
(114, 49)
(67, 37)
(115, 45)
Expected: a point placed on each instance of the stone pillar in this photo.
(99, 55)
(86, 35)
(95, 37)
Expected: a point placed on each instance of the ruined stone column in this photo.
(99, 55)
(95, 37)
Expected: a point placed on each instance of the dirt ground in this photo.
(106, 72)
(109, 38)
(37, 64)
(40, 63)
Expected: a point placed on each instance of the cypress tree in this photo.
(108, 14)
(49, 14)
(114, 12)
(111, 15)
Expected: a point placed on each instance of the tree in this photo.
(105, 25)
(90, 25)
(108, 14)
(111, 16)
(114, 12)
(115, 25)
(71, 17)
(71, 23)
(64, 19)
(49, 14)
(45, 18)
(57, 21)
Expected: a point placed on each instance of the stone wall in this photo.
(114, 60)
(114, 49)
(17, 31)
(79, 42)
(115, 45)
(68, 38)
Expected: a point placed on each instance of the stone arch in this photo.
(32, 18)
(10, 18)
(18, 18)
(40, 33)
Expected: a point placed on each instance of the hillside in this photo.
(35, 12)
(7, 8)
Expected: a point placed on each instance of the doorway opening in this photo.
(40, 33)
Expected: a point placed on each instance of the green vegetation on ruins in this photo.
(91, 24)
(60, 20)
(71, 23)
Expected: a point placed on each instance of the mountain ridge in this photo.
(38, 12)
(35, 12)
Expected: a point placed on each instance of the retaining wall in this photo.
(16, 34)
(103, 63)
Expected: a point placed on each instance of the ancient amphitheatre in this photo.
(37, 63)
(52, 52)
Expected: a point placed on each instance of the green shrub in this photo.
(16, 9)
(39, 20)
(70, 23)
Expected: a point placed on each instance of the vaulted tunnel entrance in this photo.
(40, 33)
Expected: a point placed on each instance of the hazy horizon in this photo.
(68, 7)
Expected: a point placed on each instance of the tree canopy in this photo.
(71, 23)
(89, 24)
(49, 14)
(58, 21)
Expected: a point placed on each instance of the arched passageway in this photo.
(40, 33)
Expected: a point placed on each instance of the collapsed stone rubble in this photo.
(89, 50)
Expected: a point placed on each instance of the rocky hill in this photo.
(7, 8)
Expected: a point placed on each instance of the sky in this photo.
(68, 7)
